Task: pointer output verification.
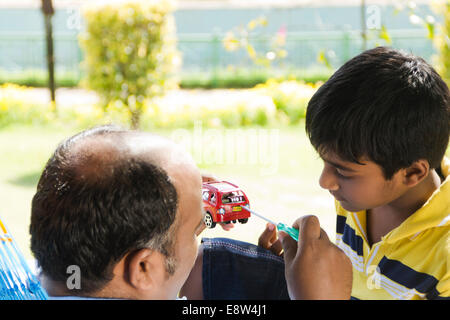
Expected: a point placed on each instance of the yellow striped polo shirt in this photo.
(412, 261)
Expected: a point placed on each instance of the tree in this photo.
(443, 41)
(130, 52)
(240, 37)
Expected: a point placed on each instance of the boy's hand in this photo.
(269, 240)
(315, 268)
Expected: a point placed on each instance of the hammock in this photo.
(17, 282)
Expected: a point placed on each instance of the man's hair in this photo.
(91, 210)
(385, 106)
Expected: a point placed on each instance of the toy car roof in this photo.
(221, 186)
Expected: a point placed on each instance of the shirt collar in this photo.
(435, 212)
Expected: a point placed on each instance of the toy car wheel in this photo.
(209, 222)
(243, 220)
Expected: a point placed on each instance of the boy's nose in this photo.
(328, 179)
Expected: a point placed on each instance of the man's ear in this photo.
(416, 172)
(146, 269)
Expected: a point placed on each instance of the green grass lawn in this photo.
(276, 167)
(279, 174)
(24, 152)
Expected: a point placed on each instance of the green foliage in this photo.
(241, 38)
(437, 32)
(443, 43)
(130, 52)
(39, 78)
(322, 58)
(16, 106)
(249, 77)
(290, 98)
(212, 109)
(222, 78)
(272, 103)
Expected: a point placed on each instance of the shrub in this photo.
(17, 105)
(248, 108)
(272, 103)
(39, 78)
(442, 38)
(290, 97)
(445, 47)
(248, 77)
(130, 52)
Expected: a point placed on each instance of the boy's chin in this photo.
(350, 207)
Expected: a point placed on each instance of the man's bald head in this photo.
(93, 154)
(103, 193)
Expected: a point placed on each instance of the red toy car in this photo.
(222, 202)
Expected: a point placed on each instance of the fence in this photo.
(302, 48)
(21, 51)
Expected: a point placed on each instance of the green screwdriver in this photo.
(280, 226)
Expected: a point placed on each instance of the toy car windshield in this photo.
(233, 197)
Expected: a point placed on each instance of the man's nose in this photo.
(328, 179)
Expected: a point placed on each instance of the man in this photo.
(126, 209)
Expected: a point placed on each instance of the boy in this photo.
(381, 125)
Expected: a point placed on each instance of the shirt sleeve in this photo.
(443, 289)
(443, 286)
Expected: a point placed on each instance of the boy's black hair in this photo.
(92, 218)
(385, 106)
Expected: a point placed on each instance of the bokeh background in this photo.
(228, 80)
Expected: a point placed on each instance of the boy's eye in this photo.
(340, 175)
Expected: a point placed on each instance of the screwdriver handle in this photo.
(289, 230)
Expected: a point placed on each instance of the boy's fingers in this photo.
(308, 228)
(289, 246)
(276, 247)
(323, 235)
(268, 236)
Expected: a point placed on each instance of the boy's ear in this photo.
(416, 172)
(146, 269)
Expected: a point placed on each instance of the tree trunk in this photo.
(363, 26)
(136, 118)
(47, 9)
